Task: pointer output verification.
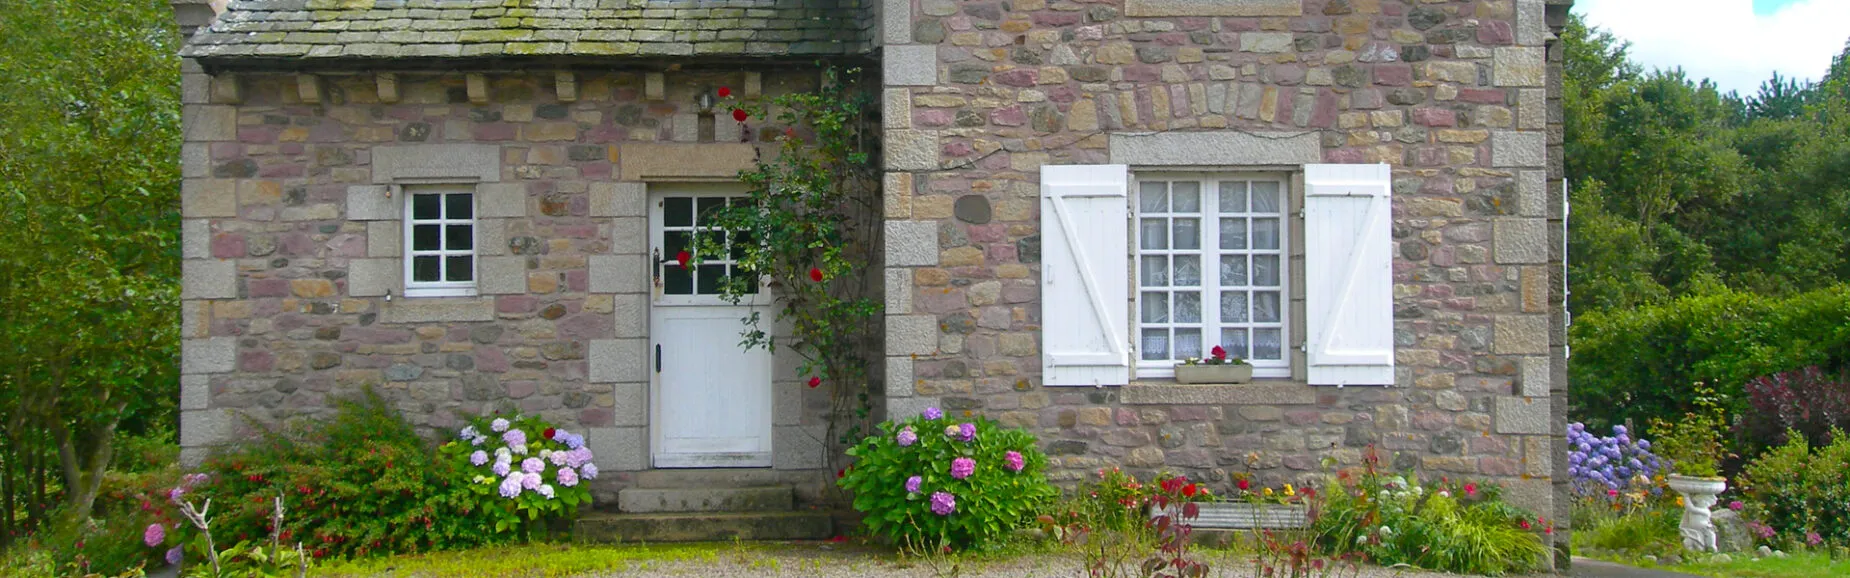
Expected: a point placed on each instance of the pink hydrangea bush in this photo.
(522, 469)
(935, 480)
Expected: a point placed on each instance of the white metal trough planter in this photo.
(1247, 516)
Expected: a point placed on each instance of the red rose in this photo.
(724, 92)
(815, 274)
(841, 473)
(684, 257)
(1189, 490)
(815, 381)
(738, 114)
(548, 433)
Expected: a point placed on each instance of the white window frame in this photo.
(442, 288)
(1210, 272)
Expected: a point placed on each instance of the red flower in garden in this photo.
(738, 114)
(1189, 490)
(548, 433)
(684, 257)
(790, 132)
(815, 274)
(1243, 484)
(724, 92)
(1470, 489)
(1219, 353)
(815, 381)
(1524, 524)
(841, 473)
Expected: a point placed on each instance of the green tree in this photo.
(89, 219)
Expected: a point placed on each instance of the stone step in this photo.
(703, 527)
(711, 478)
(656, 501)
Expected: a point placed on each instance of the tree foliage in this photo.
(89, 264)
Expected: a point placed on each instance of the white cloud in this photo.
(1724, 40)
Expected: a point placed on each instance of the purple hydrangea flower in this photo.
(912, 484)
(559, 458)
(546, 490)
(573, 441)
(1014, 460)
(477, 440)
(478, 458)
(568, 477)
(499, 425)
(962, 468)
(933, 413)
(515, 437)
(589, 472)
(966, 431)
(943, 503)
(175, 555)
(501, 468)
(510, 486)
(154, 535)
(530, 481)
(907, 437)
(469, 433)
(579, 457)
(532, 465)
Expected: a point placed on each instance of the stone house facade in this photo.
(1362, 197)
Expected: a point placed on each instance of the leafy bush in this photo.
(1639, 363)
(1809, 401)
(358, 484)
(1693, 442)
(932, 480)
(1462, 527)
(545, 482)
(1797, 492)
(1599, 465)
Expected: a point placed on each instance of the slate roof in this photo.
(309, 31)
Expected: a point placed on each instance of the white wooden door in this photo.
(712, 398)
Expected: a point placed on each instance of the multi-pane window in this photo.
(1210, 270)
(440, 241)
(684, 218)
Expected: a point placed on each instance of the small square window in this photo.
(440, 241)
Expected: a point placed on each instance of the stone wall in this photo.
(1453, 93)
(292, 246)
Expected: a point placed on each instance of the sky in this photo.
(1736, 43)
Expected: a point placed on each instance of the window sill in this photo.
(1259, 392)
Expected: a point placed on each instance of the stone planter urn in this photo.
(1247, 515)
(1698, 527)
(1205, 373)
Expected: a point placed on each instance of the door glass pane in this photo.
(1265, 306)
(458, 237)
(1155, 344)
(1233, 233)
(1153, 197)
(424, 268)
(1154, 234)
(1188, 270)
(1268, 344)
(1265, 196)
(1188, 307)
(678, 212)
(707, 205)
(676, 280)
(458, 206)
(1233, 270)
(1188, 343)
(1233, 339)
(674, 242)
(1265, 270)
(1155, 271)
(1233, 196)
(1188, 234)
(708, 280)
(458, 268)
(1233, 306)
(1265, 234)
(739, 241)
(426, 207)
(426, 237)
(1155, 307)
(1187, 197)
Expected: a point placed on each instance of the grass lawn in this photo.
(538, 560)
(1745, 565)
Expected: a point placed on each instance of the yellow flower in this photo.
(1268, 492)
(1679, 501)
(1289, 491)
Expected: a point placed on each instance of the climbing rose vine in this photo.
(967, 487)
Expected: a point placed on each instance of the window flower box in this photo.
(1204, 373)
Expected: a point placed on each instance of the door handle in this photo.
(658, 358)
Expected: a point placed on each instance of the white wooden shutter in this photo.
(1348, 258)
(1085, 280)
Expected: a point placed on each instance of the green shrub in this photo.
(933, 480)
(1798, 491)
(1638, 364)
(492, 449)
(358, 484)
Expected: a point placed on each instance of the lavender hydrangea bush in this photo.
(1611, 465)
(523, 469)
(937, 480)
